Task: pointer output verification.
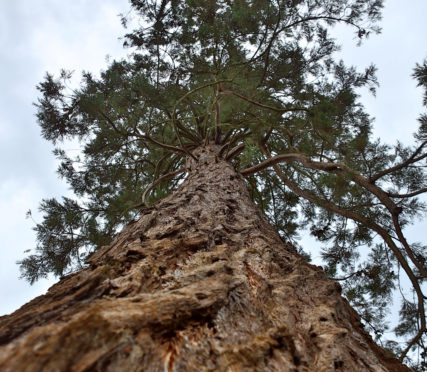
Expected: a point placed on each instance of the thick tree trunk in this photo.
(200, 283)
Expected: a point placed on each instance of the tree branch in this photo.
(362, 181)
(277, 109)
(234, 151)
(195, 137)
(158, 143)
(106, 117)
(159, 180)
(412, 159)
(415, 193)
(320, 18)
(271, 162)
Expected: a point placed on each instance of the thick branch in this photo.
(234, 151)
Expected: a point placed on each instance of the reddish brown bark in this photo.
(200, 283)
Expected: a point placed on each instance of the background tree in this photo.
(258, 79)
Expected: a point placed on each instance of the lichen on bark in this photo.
(201, 282)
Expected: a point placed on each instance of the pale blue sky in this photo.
(46, 35)
(38, 36)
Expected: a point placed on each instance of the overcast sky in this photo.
(46, 35)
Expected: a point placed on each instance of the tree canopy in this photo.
(260, 79)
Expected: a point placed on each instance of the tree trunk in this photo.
(200, 283)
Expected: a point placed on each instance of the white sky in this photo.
(46, 35)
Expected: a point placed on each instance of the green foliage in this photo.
(63, 236)
(258, 78)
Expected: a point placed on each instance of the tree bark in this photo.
(201, 282)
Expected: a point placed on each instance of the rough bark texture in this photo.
(200, 283)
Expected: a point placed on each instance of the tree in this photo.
(201, 282)
(256, 80)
